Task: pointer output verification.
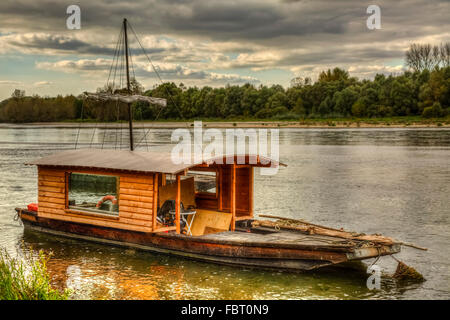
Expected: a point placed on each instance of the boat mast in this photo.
(130, 117)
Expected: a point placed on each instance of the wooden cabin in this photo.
(124, 189)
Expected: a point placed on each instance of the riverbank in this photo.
(27, 278)
(396, 122)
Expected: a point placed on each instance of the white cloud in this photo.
(71, 66)
(42, 83)
(144, 71)
(11, 83)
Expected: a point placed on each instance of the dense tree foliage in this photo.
(335, 94)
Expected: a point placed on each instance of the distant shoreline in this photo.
(305, 124)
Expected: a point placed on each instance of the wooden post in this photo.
(178, 204)
(250, 191)
(66, 189)
(155, 200)
(233, 197)
(220, 188)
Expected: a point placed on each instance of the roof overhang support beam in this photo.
(178, 204)
(233, 197)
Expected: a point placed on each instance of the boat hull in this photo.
(278, 256)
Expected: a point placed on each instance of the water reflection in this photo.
(115, 273)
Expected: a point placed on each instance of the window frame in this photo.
(204, 194)
(91, 212)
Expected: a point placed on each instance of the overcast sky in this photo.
(209, 42)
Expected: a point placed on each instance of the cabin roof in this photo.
(132, 160)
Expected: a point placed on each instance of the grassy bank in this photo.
(26, 279)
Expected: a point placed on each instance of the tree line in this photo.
(424, 90)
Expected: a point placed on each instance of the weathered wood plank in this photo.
(50, 194)
(51, 183)
(136, 186)
(43, 177)
(136, 179)
(92, 217)
(98, 222)
(233, 197)
(123, 208)
(136, 204)
(135, 198)
(59, 200)
(135, 192)
(51, 204)
(135, 216)
(155, 198)
(51, 189)
(178, 204)
(50, 172)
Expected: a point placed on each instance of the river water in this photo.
(390, 181)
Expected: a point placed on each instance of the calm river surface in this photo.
(390, 181)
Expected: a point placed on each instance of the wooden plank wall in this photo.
(207, 221)
(169, 192)
(226, 188)
(243, 192)
(206, 201)
(135, 200)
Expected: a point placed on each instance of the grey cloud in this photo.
(57, 43)
(224, 20)
(261, 21)
(67, 44)
(301, 33)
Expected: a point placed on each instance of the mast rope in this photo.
(79, 125)
(114, 87)
(160, 79)
(154, 69)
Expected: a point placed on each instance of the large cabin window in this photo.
(93, 193)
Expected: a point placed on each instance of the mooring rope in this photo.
(17, 216)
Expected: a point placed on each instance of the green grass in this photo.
(27, 279)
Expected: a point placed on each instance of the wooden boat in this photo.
(117, 197)
(223, 231)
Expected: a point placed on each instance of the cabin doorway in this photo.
(207, 190)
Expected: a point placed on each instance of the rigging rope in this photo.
(79, 125)
(117, 69)
(115, 56)
(154, 69)
(160, 79)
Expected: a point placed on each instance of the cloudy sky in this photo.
(208, 42)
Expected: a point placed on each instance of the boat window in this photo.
(94, 193)
(205, 181)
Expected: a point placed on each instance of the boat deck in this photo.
(281, 238)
